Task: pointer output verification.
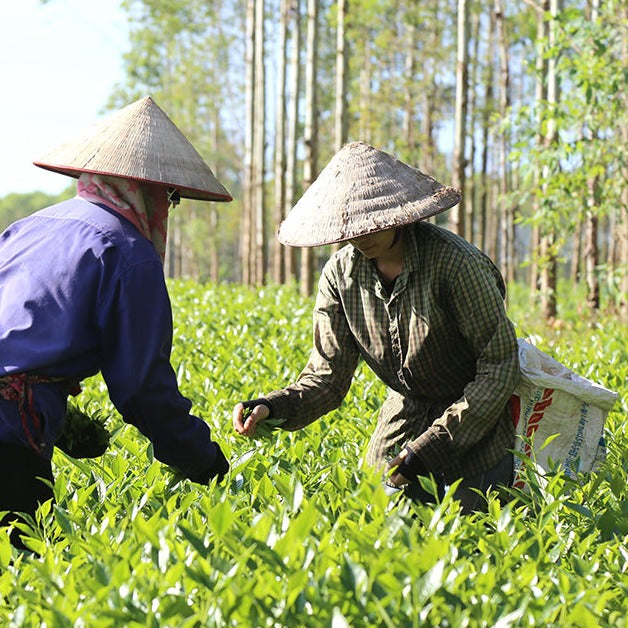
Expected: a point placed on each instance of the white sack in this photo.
(551, 399)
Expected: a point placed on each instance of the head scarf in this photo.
(144, 204)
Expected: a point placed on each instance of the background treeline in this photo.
(521, 105)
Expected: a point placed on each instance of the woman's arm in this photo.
(136, 327)
(324, 382)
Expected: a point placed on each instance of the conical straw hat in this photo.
(363, 190)
(139, 142)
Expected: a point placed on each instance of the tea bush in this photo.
(301, 532)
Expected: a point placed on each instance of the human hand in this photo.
(396, 479)
(245, 419)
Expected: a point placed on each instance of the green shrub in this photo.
(301, 532)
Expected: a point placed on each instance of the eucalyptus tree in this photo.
(409, 97)
(278, 266)
(259, 145)
(620, 214)
(540, 94)
(592, 42)
(576, 164)
(548, 234)
(340, 94)
(340, 111)
(506, 213)
(376, 69)
(591, 249)
(434, 21)
(486, 116)
(253, 252)
(246, 251)
(311, 132)
(456, 215)
(471, 201)
(293, 128)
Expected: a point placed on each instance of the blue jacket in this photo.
(82, 291)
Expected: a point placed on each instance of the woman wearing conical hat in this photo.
(82, 290)
(423, 308)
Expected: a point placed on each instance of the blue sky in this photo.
(59, 62)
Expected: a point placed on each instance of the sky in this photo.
(59, 62)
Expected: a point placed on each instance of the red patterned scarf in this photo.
(144, 204)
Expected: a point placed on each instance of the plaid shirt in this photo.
(440, 341)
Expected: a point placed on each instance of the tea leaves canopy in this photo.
(301, 532)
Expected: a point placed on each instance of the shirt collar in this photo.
(361, 269)
(355, 257)
(410, 253)
(410, 248)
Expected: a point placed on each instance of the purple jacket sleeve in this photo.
(136, 326)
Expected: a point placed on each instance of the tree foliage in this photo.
(400, 97)
(588, 118)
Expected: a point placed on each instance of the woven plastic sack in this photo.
(550, 399)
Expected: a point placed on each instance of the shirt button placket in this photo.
(392, 308)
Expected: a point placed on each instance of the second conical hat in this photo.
(363, 190)
(139, 142)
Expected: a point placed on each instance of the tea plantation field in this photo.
(301, 532)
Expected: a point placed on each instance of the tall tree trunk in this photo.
(470, 222)
(428, 100)
(428, 97)
(591, 250)
(577, 252)
(174, 223)
(540, 98)
(340, 117)
(602, 228)
(188, 261)
(535, 243)
(293, 128)
(549, 273)
(623, 252)
(456, 214)
(519, 268)
(506, 217)
(408, 96)
(214, 254)
(610, 235)
(365, 126)
(429, 146)
(311, 134)
(178, 245)
(259, 146)
(548, 276)
(169, 256)
(280, 143)
(248, 186)
(622, 231)
(486, 126)
(492, 218)
(340, 113)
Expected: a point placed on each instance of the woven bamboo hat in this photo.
(138, 142)
(363, 190)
